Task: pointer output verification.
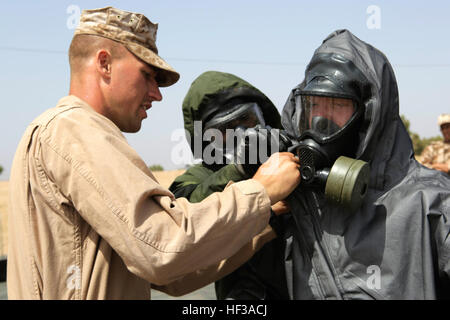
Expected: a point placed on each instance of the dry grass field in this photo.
(165, 178)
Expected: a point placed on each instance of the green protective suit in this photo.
(263, 276)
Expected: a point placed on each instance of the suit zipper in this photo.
(322, 245)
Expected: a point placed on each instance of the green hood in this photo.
(211, 92)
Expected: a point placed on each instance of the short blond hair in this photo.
(83, 46)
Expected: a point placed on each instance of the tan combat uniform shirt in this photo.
(88, 220)
(436, 152)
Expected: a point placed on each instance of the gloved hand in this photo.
(246, 154)
(283, 140)
(256, 145)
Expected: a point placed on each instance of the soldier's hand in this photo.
(279, 175)
(281, 207)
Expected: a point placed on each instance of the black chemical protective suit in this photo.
(396, 245)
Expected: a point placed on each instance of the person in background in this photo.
(437, 154)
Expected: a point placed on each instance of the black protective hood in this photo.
(383, 139)
(400, 233)
(334, 76)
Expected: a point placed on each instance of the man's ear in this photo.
(103, 63)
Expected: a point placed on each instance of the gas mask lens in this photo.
(324, 116)
(322, 147)
(246, 115)
(231, 124)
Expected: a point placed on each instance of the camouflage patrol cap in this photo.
(132, 30)
(443, 119)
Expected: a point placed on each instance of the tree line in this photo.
(419, 144)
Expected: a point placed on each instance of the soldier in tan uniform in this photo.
(87, 219)
(437, 154)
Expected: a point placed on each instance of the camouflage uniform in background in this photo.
(436, 152)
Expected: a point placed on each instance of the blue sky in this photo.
(267, 43)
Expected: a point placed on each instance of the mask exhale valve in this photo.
(345, 184)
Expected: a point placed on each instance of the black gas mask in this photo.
(227, 128)
(329, 113)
